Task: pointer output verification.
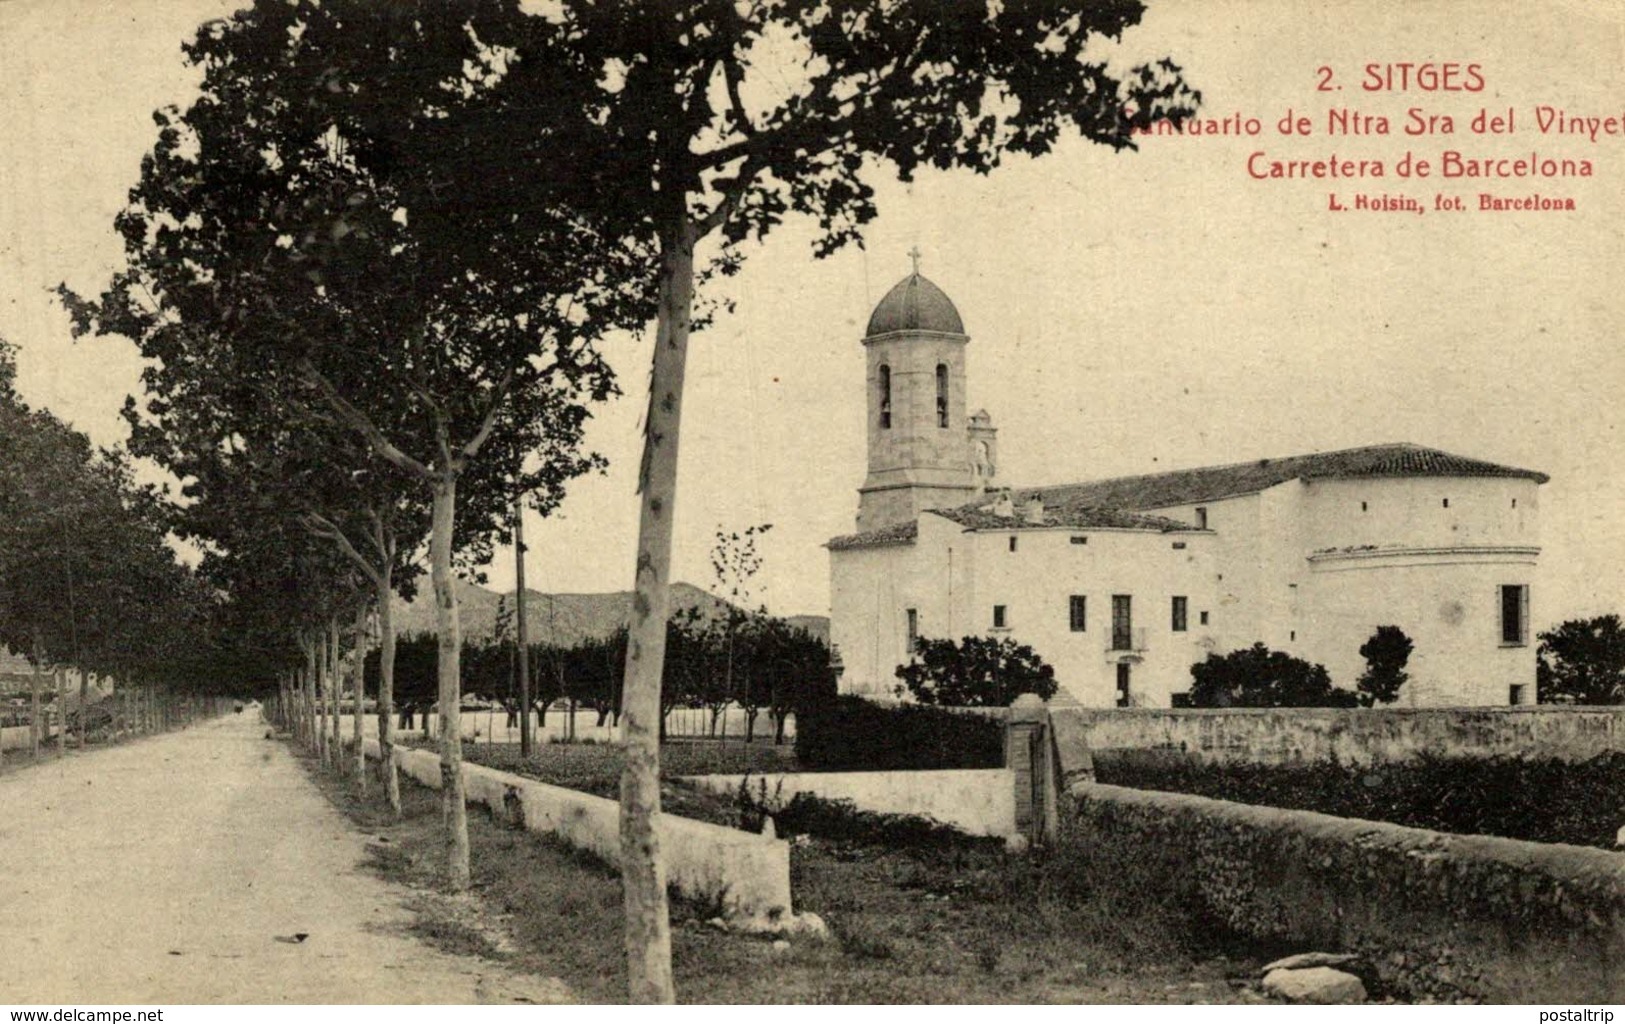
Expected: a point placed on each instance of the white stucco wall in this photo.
(1308, 571)
(869, 588)
(1411, 512)
(1235, 554)
(1450, 607)
(979, 802)
(1433, 569)
(953, 579)
(1036, 581)
(1300, 567)
(750, 873)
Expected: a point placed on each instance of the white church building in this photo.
(1122, 584)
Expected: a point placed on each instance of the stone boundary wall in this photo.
(1447, 916)
(15, 737)
(980, 802)
(1349, 735)
(748, 874)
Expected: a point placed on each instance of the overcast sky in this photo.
(1128, 312)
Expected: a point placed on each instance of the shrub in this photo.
(1385, 656)
(976, 672)
(1547, 801)
(853, 734)
(1583, 662)
(1257, 677)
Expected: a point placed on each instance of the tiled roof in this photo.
(1112, 504)
(981, 517)
(1209, 483)
(915, 304)
(1079, 517)
(885, 536)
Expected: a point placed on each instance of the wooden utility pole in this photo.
(523, 629)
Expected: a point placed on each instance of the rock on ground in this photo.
(1315, 985)
(1301, 960)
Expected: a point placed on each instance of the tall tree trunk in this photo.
(523, 628)
(313, 705)
(84, 706)
(358, 720)
(334, 681)
(319, 693)
(386, 685)
(453, 811)
(648, 923)
(61, 712)
(34, 723)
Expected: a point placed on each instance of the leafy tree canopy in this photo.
(1582, 661)
(1386, 655)
(978, 671)
(1257, 677)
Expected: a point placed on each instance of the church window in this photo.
(1179, 614)
(1001, 617)
(885, 397)
(1077, 609)
(1514, 615)
(1362, 506)
(1204, 618)
(1201, 518)
(942, 394)
(1447, 503)
(1012, 542)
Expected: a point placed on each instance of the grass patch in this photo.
(939, 923)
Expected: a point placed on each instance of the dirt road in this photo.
(179, 869)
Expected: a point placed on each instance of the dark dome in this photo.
(915, 304)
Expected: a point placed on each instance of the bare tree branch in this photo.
(320, 526)
(377, 536)
(489, 422)
(359, 421)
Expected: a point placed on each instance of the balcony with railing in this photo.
(1127, 642)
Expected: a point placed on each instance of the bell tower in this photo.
(920, 450)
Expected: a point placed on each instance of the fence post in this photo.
(1028, 755)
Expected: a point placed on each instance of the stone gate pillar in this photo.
(1027, 753)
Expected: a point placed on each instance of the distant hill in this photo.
(562, 619)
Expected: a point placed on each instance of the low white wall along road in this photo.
(749, 874)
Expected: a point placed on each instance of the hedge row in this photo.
(1432, 915)
(852, 734)
(1545, 801)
